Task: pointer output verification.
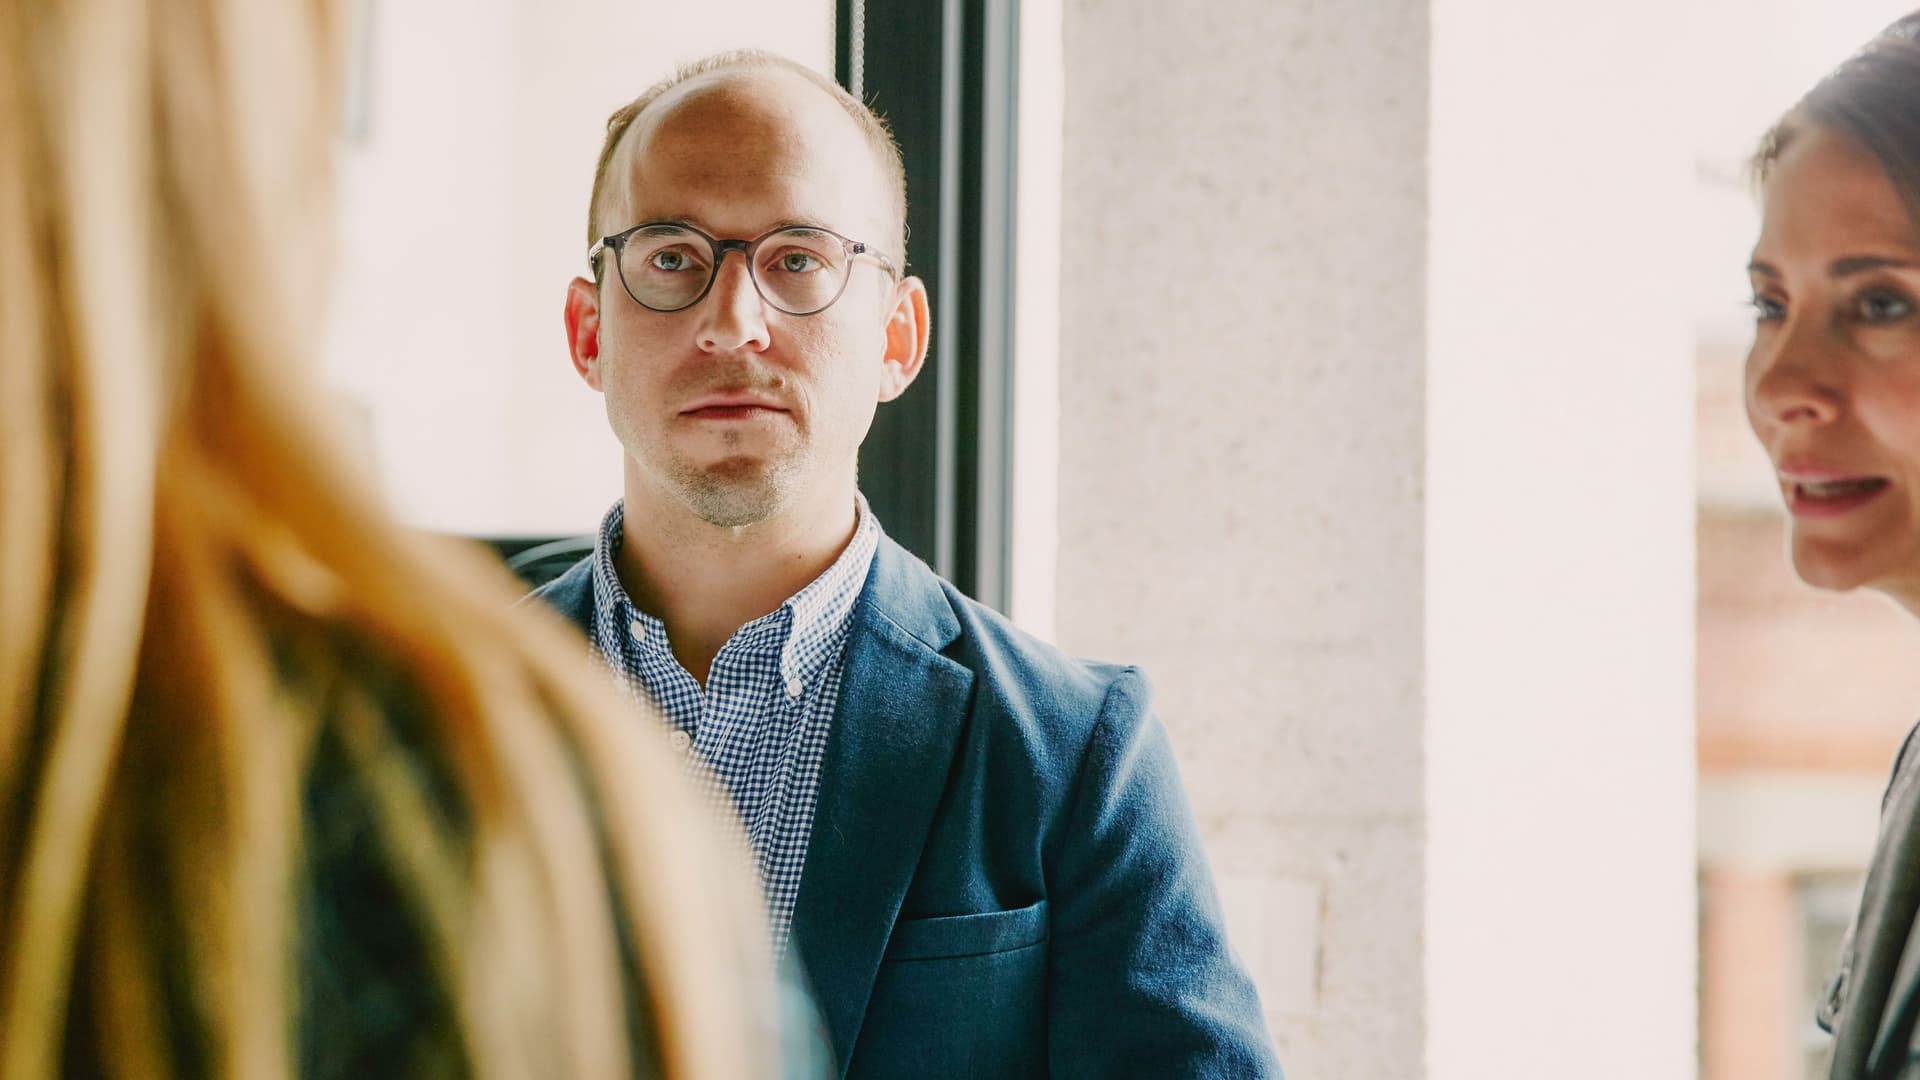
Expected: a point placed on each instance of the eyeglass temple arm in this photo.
(860, 248)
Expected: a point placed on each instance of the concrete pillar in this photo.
(1374, 448)
(1241, 451)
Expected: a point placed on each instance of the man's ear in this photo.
(909, 329)
(583, 329)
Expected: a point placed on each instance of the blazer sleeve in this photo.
(1140, 980)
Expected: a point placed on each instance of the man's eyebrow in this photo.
(783, 223)
(668, 219)
(1765, 269)
(799, 223)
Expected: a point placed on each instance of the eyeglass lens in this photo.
(798, 270)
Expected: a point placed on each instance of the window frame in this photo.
(937, 465)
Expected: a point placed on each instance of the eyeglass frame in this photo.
(718, 248)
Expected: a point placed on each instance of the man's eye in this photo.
(671, 261)
(1881, 306)
(798, 262)
(1767, 309)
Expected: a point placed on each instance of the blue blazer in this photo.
(1003, 878)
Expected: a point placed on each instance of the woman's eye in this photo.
(1879, 306)
(1767, 309)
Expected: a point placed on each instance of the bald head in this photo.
(751, 113)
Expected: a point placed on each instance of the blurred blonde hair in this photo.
(196, 594)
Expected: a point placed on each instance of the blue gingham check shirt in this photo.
(761, 723)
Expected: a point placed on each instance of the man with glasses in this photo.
(977, 848)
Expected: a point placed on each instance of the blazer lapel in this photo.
(902, 708)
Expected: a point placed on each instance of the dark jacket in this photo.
(1871, 1001)
(1003, 877)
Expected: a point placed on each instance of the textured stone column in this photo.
(1375, 448)
(1241, 450)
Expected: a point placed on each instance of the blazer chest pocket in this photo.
(955, 936)
(958, 996)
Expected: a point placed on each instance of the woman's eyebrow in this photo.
(1846, 266)
(1860, 264)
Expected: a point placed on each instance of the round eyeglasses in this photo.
(799, 269)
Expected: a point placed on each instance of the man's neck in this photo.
(706, 581)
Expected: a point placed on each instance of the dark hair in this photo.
(1874, 100)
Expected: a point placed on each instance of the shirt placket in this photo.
(655, 675)
(734, 722)
(785, 712)
(722, 705)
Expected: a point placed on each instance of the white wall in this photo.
(420, 309)
(1559, 556)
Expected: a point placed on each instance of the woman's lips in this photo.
(1827, 498)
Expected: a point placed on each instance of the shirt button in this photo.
(638, 629)
(794, 687)
(681, 740)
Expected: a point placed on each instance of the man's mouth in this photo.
(732, 412)
(730, 407)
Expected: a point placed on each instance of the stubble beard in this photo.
(737, 491)
(752, 480)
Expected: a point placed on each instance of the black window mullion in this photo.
(936, 464)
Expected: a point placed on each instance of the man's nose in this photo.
(1794, 375)
(733, 317)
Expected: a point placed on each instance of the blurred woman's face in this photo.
(1833, 380)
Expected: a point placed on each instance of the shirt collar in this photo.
(805, 630)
